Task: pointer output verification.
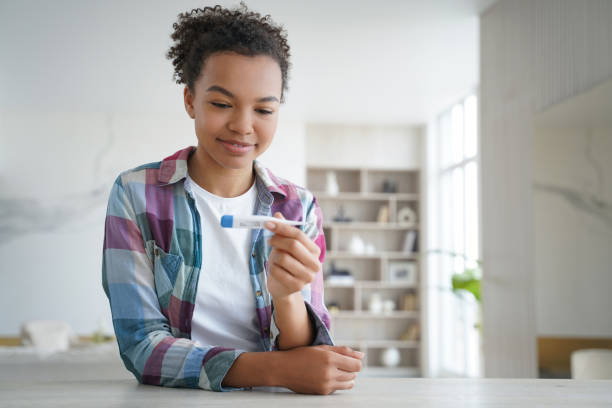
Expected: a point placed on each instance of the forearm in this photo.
(256, 369)
(292, 321)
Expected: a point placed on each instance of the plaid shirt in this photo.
(151, 262)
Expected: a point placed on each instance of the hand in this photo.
(293, 261)
(320, 369)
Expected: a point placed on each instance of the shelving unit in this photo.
(361, 196)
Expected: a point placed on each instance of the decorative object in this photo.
(410, 242)
(340, 217)
(388, 306)
(390, 357)
(339, 276)
(356, 245)
(411, 333)
(333, 307)
(405, 272)
(408, 302)
(383, 214)
(406, 215)
(331, 186)
(48, 336)
(389, 186)
(375, 304)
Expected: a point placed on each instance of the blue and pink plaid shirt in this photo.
(152, 259)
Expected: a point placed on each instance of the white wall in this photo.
(533, 55)
(364, 146)
(573, 231)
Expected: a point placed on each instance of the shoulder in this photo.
(170, 170)
(285, 189)
(141, 175)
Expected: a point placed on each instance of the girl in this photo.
(196, 305)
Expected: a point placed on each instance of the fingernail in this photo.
(270, 225)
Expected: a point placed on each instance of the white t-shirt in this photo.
(224, 313)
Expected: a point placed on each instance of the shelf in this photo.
(354, 314)
(361, 196)
(370, 225)
(366, 196)
(372, 285)
(377, 255)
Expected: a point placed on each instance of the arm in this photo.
(310, 370)
(296, 264)
(292, 321)
(135, 286)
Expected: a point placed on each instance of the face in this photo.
(235, 107)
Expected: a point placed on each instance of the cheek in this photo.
(266, 131)
(209, 123)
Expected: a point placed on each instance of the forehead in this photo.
(256, 76)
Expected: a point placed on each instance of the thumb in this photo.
(279, 215)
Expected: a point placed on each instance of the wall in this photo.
(533, 55)
(364, 146)
(573, 231)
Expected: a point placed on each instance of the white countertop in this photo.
(368, 392)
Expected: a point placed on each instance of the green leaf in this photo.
(468, 280)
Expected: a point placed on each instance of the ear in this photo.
(188, 98)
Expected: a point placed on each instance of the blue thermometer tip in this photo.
(227, 221)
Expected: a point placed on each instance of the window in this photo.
(453, 244)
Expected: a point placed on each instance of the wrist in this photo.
(290, 299)
(276, 375)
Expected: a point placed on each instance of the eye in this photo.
(264, 111)
(220, 105)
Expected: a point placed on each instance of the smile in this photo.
(236, 147)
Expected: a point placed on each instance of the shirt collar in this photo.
(174, 168)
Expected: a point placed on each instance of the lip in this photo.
(236, 147)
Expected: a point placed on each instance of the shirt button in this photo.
(156, 251)
(258, 293)
(252, 254)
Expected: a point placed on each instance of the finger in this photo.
(291, 232)
(297, 250)
(347, 351)
(347, 363)
(345, 375)
(291, 265)
(286, 279)
(344, 385)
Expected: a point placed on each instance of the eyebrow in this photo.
(217, 88)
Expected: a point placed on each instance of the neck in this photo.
(216, 179)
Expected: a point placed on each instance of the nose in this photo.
(241, 122)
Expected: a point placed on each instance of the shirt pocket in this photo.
(166, 269)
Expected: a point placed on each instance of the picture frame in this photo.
(405, 272)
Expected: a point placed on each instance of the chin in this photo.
(236, 163)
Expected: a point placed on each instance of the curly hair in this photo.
(203, 32)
